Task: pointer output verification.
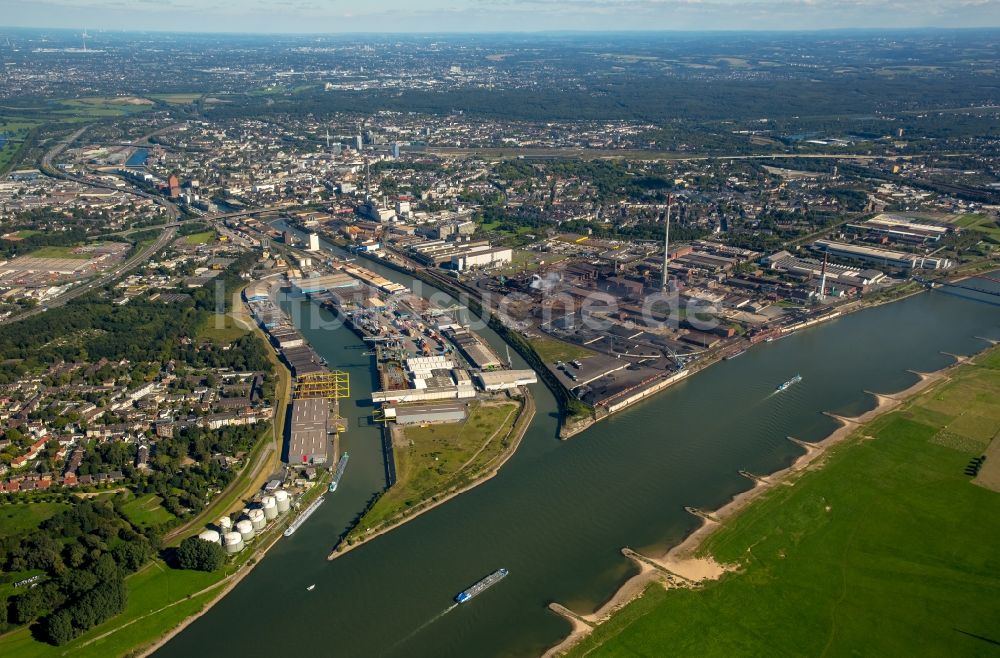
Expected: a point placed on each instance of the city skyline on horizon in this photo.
(505, 16)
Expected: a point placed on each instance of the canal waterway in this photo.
(138, 158)
(559, 513)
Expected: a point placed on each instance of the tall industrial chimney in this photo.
(666, 245)
(822, 278)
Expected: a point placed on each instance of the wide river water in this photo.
(559, 513)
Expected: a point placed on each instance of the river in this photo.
(559, 513)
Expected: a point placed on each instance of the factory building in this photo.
(840, 279)
(502, 380)
(286, 337)
(901, 229)
(884, 257)
(482, 258)
(459, 227)
(418, 414)
(424, 395)
(461, 255)
(321, 283)
(436, 384)
(421, 367)
(439, 252)
(309, 443)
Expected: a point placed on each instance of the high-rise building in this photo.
(313, 242)
(174, 185)
(395, 149)
(358, 142)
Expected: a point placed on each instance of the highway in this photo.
(102, 280)
(45, 165)
(169, 229)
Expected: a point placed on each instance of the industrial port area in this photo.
(608, 322)
(431, 367)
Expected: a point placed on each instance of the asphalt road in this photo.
(45, 165)
(102, 280)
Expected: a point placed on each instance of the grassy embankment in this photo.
(887, 550)
(436, 460)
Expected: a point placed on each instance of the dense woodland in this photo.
(85, 552)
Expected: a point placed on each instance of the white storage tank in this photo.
(282, 500)
(225, 524)
(245, 528)
(270, 507)
(233, 542)
(210, 535)
(257, 519)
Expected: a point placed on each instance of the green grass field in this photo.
(18, 517)
(101, 106)
(145, 618)
(980, 222)
(200, 238)
(888, 550)
(553, 349)
(59, 252)
(435, 458)
(221, 333)
(16, 130)
(147, 511)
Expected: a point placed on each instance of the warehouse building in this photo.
(437, 385)
(418, 414)
(502, 380)
(309, 443)
(321, 283)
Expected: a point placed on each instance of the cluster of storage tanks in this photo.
(234, 537)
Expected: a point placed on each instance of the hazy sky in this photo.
(493, 15)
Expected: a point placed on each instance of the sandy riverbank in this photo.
(518, 431)
(682, 566)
